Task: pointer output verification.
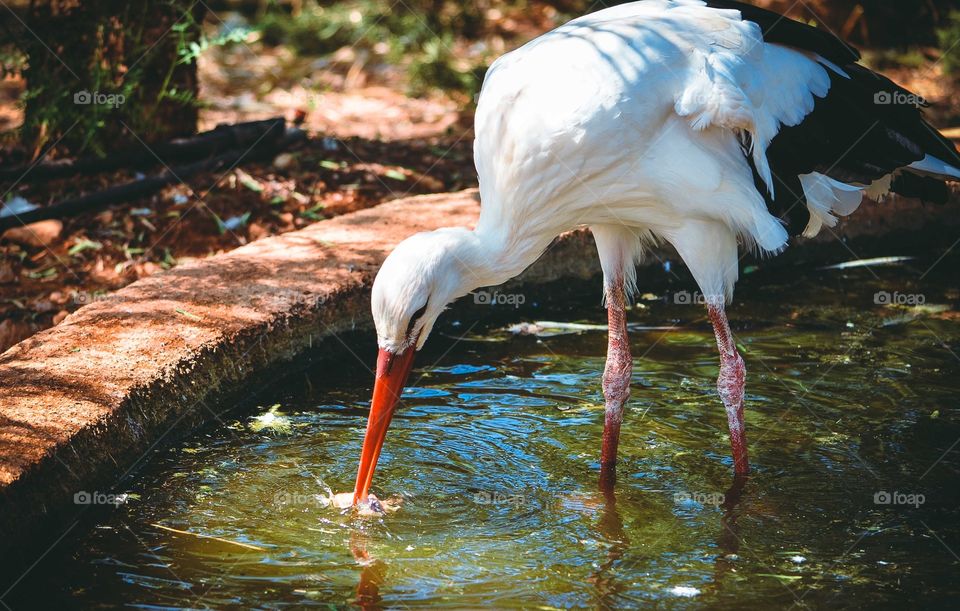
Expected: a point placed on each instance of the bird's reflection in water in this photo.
(610, 525)
(373, 572)
(609, 589)
(728, 540)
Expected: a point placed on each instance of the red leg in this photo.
(616, 381)
(730, 385)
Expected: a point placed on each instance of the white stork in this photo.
(704, 124)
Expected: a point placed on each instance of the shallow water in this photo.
(495, 454)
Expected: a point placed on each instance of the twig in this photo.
(199, 536)
(179, 150)
(98, 200)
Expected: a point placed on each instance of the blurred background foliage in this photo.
(420, 35)
(133, 51)
(147, 51)
(425, 33)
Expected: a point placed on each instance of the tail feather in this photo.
(938, 168)
(826, 197)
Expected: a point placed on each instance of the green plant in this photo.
(949, 38)
(419, 35)
(132, 55)
(435, 66)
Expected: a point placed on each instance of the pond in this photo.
(853, 423)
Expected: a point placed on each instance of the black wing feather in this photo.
(857, 133)
(923, 188)
(860, 132)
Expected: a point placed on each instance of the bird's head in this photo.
(417, 281)
(424, 274)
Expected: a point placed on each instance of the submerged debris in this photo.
(210, 537)
(545, 328)
(910, 314)
(548, 328)
(876, 261)
(273, 420)
(684, 591)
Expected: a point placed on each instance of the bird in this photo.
(711, 126)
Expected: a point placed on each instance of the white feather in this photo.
(620, 249)
(826, 197)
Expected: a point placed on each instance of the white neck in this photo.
(494, 257)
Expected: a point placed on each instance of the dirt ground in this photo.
(368, 143)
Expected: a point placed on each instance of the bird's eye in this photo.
(413, 319)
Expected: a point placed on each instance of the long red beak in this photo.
(392, 372)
